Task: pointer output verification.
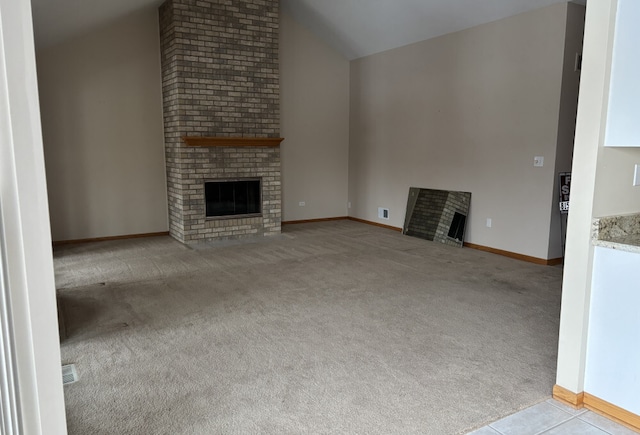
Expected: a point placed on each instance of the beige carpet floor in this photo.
(330, 328)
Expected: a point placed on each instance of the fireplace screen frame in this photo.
(231, 180)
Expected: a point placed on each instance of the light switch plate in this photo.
(538, 161)
(636, 175)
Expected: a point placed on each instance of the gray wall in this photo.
(467, 111)
(100, 98)
(314, 91)
(567, 122)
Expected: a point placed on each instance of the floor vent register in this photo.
(69, 374)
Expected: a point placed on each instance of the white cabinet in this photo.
(623, 114)
(613, 350)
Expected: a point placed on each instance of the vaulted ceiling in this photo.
(355, 28)
(359, 28)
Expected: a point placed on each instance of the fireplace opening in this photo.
(456, 230)
(239, 197)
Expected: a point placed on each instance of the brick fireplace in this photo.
(220, 78)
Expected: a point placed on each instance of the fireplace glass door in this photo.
(232, 198)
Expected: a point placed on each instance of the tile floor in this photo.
(553, 418)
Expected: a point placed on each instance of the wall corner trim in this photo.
(574, 400)
(612, 412)
(109, 238)
(375, 224)
(340, 218)
(309, 221)
(597, 405)
(521, 257)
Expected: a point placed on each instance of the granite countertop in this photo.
(617, 232)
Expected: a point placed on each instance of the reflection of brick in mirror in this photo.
(437, 215)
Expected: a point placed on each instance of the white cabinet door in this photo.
(613, 353)
(623, 117)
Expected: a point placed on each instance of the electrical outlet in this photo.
(302, 203)
(489, 222)
(383, 213)
(349, 204)
(636, 175)
(538, 161)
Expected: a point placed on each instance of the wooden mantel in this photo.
(199, 141)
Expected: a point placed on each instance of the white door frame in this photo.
(9, 406)
(29, 310)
